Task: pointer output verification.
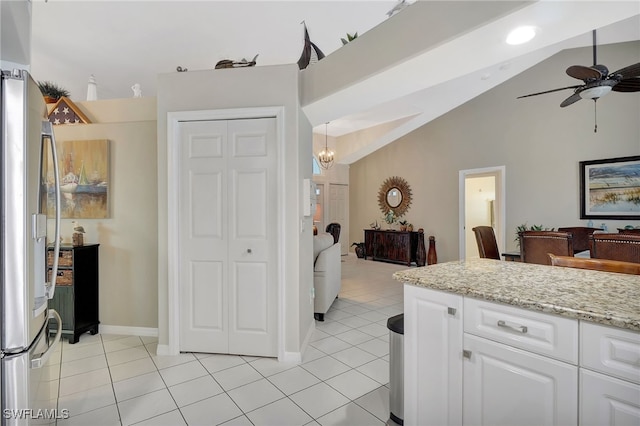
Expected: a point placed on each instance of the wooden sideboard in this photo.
(395, 246)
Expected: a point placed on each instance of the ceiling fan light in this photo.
(521, 35)
(595, 92)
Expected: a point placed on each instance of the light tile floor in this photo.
(342, 380)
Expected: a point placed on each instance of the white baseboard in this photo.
(163, 350)
(128, 331)
(296, 357)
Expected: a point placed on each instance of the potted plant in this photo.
(360, 252)
(390, 217)
(525, 227)
(51, 91)
(349, 38)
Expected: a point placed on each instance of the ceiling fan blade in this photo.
(630, 71)
(627, 85)
(583, 73)
(549, 91)
(571, 100)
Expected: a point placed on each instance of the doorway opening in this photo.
(482, 202)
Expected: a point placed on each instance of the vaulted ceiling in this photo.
(405, 70)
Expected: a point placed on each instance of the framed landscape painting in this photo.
(610, 188)
(84, 179)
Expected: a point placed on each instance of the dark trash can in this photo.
(395, 325)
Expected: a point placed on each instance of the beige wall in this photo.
(243, 88)
(539, 143)
(128, 238)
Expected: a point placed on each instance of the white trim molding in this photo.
(173, 240)
(128, 331)
(500, 173)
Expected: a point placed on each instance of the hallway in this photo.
(343, 378)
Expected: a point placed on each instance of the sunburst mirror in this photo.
(394, 195)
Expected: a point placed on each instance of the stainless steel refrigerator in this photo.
(26, 139)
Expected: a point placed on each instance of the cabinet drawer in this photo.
(65, 277)
(64, 259)
(609, 350)
(544, 334)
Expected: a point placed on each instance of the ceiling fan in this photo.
(597, 80)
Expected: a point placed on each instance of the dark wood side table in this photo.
(395, 246)
(76, 295)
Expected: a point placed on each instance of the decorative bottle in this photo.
(432, 256)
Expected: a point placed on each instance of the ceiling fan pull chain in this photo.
(595, 116)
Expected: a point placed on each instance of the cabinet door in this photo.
(507, 386)
(432, 357)
(605, 400)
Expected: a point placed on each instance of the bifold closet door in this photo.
(228, 289)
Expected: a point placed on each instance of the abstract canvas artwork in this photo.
(83, 167)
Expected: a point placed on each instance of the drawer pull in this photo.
(451, 311)
(520, 329)
(466, 354)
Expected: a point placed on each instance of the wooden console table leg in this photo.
(421, 252)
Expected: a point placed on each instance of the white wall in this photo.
(242, 88)
(539, 143)
(128, 238)
(15, 34)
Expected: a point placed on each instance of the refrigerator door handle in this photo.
(47, 132)
(42, 359)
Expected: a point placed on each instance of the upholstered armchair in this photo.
(327, 273)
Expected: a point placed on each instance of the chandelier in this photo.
(325, 157)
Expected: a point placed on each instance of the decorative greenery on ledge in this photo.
(52, 90)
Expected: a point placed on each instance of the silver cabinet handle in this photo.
(451, 311)
(466, 354)
(520, 329)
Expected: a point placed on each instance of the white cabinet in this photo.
(473, 362)
(609, 376)
(520, 366)
(506, 386)
(432, 357)
(605, 400)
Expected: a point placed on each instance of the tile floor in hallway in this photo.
(343, 378)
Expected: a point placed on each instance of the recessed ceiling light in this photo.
(521, 35)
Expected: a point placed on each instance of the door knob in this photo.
(249, 251)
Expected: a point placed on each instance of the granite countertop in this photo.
(601, 297)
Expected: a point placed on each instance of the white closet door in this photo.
(203, 237)
(339, 212)
(252, 226)
(228, 246)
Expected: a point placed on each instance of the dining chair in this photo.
(487, 244)
(535, 245)
(623, 247)
(605, 265)
(334, 229)
(580, 236)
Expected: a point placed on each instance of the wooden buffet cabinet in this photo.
(395, 246)
(76, 295)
